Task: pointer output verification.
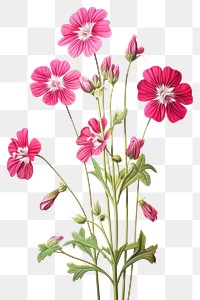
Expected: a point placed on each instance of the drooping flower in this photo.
(49, 199)
(83, 31)
(149, 211)
(86, 84)
(54, 240)
(22, 154)
(91, 140)
(56, 83)
(113, 74)
(133, 150)
(105, 66)
(165, 93)
(133, 51)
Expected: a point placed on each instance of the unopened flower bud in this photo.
(149, 211)
(96, 82)
(54, 240)
(133, 150)
(86, 85)
(133, 50)
(117, 158)
(62, 187)
(113, 74)
(102, 217)
(105, 66)
(49, 199)
(79, 219)
(96, 209)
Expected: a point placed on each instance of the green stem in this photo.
(126, 171)
(145, 130)
(87, 262)
(91, 202)
(97, 64)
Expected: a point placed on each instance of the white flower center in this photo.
(165, 94)
(96, 140)
(22, 154)
(55, 83)
(85, 31)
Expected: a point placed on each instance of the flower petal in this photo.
(67, 97)
(95, 15)
(58, 67)
(84, 153)
(146, 91)
(79, 18)
(13, 146)
(71, 79)
(99, 149)
(22, 137)
(13, 165)
(34, 148)
(175, 111)
(75, 48)
(183, 93)
(153, 75)
(155, 110)
(39, 88)
(41, 74)
(50, 98)
(171, 78)
(25, 171)
(91, 46)
(84, 136)
(102, 29)
(95, 125)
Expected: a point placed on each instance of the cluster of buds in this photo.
(109, 71)
(133, 51)
(90, 86)
(49, 199)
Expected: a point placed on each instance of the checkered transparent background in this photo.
(170, 32)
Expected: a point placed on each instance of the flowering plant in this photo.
(165, 93)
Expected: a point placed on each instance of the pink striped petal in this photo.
(183, 93)
(146, 91)
(84, 137)
(155, 110)
(102, 29)
(95, 15)
(76, 48)
(95, 125)
(171, 77)
(153, 75)
(58, 67)
(175, 111)
(79, 18)
(13, 146)
(67, 97)
(84, 153)
(22, 137)
(50, 98)
(99, 149)
(34, 148)
(41, 74)
(39, 88)
(71, 79)
(25, 171)
(13, 166)
(91, 46)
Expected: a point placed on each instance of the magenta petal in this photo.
(75, 48)
(44, 205)
(153, 75)
(79, 18)
(84, 153)
(183, 93)
(95, 15)
(175, 111)
(25, 171)
(34, 148)
(146, 91)
(95, 125)
(91, 46)
(99, 149)
(171, 77)
(13, 165)
(67, 97)
(68, 30)
(84, 137)
(102, 29)
(59, 68)
(39, 88)
(41, 74)
(50, 98)
(155, 110)
(13, 146)
(71, 79)
(22, 137)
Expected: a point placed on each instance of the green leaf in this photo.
(141, 253)
(107, 250)
(119, 116)
(108, 175)
(45, 251)
(144, 177)
(119, 177)
(148, 167)
(80, 270)
(119, 252)
(132, 246)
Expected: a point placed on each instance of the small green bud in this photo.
(79, 219)
(54, 240)
(96, 209)
(117, 158)
(62, 187)
(102, 217)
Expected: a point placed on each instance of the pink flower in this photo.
(165, 93)
(133, 150)
(54, 240)
(105, 66)
(22, 154)
(86, 84)
(56, 83)
(133, 50)
(49, 199)
(113, 74)
(91, 140)
(149, 211)
(84, 30)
